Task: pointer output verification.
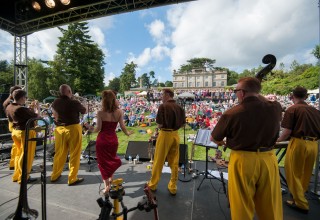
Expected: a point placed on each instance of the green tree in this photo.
(168, 84)
(79, 61)
(197, 63)
(146, 79)
(6, 76)
(128, 77)
(316, 52)
(114, 84)
(232, 77)
(37, 80)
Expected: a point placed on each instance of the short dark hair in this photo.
(300, 92)
(169, 92)
(18, 94)
(13, 88)
(250, 84)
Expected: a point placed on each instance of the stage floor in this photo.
(79, 201)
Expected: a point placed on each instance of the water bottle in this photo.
(137, 157)
(130, 159)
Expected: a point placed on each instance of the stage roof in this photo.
(19, 18)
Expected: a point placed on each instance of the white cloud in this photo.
(97, 35)
(43, 44)
(108, 77)
(156, 29)
(239, 33)
(157, 53)
(143, 59)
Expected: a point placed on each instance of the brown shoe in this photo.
(79, 180)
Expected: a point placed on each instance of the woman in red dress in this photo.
(107, 140)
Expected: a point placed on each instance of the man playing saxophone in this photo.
(18, 115)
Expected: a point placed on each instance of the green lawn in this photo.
(199, 152)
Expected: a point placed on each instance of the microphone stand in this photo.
(89, 137)
(184, 179)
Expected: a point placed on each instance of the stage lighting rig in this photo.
(50, 3)
(65, 2)
(36, 6)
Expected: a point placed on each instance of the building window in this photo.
(222, 83)
(206, 84)
(190, 84)
(175, 84)
(183, 78)
(214, 76)
(206, 77)
(222, 76)
(198, 77)
(214, 84)
(198, 84)
(182, 84)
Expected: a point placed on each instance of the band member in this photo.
(68, 135)
(301, 123)
(107, 140)
(5, 105)
(18, 115)
(170, 118)
(251, 130)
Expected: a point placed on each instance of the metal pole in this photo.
(316, 171)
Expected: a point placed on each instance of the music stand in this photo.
(183, 98)
(203, 139)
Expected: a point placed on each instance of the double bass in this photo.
(269, 59)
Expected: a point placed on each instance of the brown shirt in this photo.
(68, 111)
(252, 124)
(19, 115)
(303, 120)
(170, 115)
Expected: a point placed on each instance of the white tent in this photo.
(186, 95)
(142, 93)
(314, 91)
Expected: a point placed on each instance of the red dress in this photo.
(106, 149)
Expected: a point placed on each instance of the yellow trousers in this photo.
(18, 137)
(13, 149)
(67, 138)
(167, 146)
(254, 184)
(300, 158)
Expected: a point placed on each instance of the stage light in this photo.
(36, 6)
(50, 3)
(65, 2)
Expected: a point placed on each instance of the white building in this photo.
(200, 79)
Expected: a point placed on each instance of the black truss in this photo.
(24, 22)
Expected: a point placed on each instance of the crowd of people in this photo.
(242, 120)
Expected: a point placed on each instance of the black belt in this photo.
(261, 149)
(309, 138)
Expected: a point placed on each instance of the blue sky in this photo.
(236, 33)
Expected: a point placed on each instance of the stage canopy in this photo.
(23, 17)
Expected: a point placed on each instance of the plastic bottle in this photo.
(130, 159)
(137, 157)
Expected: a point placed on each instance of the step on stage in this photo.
(79, 201)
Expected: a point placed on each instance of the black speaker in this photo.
(138, 148)
(90, 150)
(183, 158)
